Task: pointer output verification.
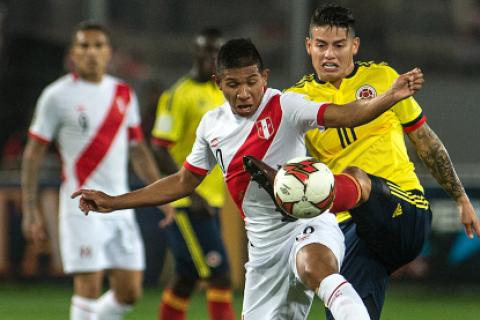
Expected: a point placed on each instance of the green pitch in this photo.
(42, 301)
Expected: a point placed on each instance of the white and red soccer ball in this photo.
(304, 187)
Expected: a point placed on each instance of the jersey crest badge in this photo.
(366, 92)
(265, 128)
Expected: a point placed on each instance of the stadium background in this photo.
(152, 48)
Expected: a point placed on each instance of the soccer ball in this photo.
(304, 187)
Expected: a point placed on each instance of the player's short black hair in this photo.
(90, 25)
(333, 15)
(238, 53)
(210, 32)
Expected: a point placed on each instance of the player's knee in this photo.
(363, 181)
(314, 263)
(220, 281)
(183, 286)
(129, 296)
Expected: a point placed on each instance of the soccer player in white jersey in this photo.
(95, 121)
(288, 261)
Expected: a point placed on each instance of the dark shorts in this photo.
(386, 232)
(197, 245)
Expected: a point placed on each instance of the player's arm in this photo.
(362, 111)
(435, 156)
(162, 191)
(32, 221)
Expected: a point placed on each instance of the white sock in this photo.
(341, 299)
(82, 308)
(108, 308)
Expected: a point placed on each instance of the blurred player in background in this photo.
(94, 119)
(195, 236)
(289, 262)
(388, 232)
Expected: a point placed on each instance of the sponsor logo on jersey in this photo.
(265, 128)
(366, 92)
(214, 143)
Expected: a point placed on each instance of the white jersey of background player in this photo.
(288, 261)
(94, 119)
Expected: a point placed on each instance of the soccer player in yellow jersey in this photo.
(194, 237)
(389, 230)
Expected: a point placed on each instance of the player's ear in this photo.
(217, 80)
(308, 43)
(356, 45)
(265, 74)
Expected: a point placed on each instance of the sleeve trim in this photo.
(194, 169)
(38, 138)
(415, 124)
(161, 142)
(135, 134)
(321, 114)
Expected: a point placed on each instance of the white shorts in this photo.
(92, 243)
(273, 289)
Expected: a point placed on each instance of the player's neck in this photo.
(198, 76)
(95, 79)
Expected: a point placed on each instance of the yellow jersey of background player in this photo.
(377, 147)
(178, 115)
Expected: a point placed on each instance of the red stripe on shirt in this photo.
(416, 125)
(161, 142)
(103, 139)
(194, 169)
(135, 134)
(238, 178)
(38, 137)
(321, 114)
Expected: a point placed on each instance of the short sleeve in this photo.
(134, 121)
(200, 160)
(304, 113)
(45, 122)
(170, 118)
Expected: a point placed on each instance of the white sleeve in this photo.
(46, 118)
(302, 112)
(134, 111)
(201, 159)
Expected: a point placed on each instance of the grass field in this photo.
(49, 301)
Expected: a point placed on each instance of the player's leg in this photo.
(125, 290)
(393, 222)
(87, 287)
(319, 253)
(124, 255)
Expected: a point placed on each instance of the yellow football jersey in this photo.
(377, 147)
(179, 112)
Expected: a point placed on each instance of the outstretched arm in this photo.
(362, 111)
(435, 156)
(162, 191)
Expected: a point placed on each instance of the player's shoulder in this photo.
(303, 84)
(374, 67)
(183, 84)
(110, 79)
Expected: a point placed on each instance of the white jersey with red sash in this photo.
(92, 124)
(275, 134)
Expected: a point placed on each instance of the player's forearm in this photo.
(358, 112)
(143, 163)
(32, 158)
(162, 191)
(435, 156)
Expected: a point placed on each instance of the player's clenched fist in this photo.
(408, 83)
(93, 200)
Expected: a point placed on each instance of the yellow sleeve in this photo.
(171, 116)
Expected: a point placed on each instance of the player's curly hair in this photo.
(333, 15)
(238, 53)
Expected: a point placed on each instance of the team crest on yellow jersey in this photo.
(366, 92)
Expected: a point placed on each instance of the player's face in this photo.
(90, 54)
(243, 88)
(206, 50)
(331, 50)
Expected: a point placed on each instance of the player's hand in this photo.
(200, 206)
(169, 212)
(33, 227)
(468, 217)
(93, 200)
(408, 84)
